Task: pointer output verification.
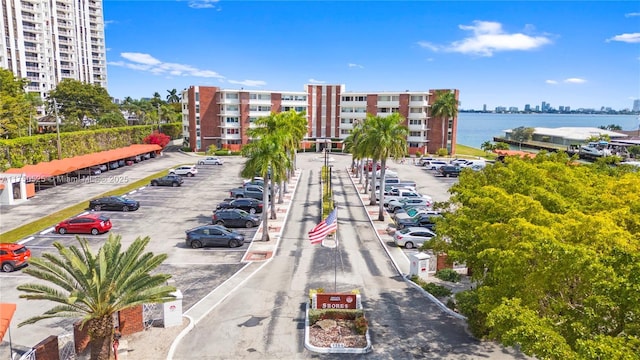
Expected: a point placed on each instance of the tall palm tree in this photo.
(95, 286)
(387, 137)
(445, 107)
(173, 96)
(265, 156)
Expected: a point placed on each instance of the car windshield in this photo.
(20, 250)
(103, 218)
(404, 231)
(242, 212)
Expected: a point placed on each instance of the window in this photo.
(232, 131)
(346, 121)
(383, 110)
(231, 96)
(416, 97)
(360, 110)
(197, 96)
(345, 131)
(347, 109)
(253, 119)
(395, 98)
(395, 110)
(415, 110)
(414, 133)
(197, 108)
(232, 107)
(415, 122)
(232, 120)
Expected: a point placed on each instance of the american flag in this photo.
(328, 225)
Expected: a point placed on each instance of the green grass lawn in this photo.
(53, 219)
(463, 150)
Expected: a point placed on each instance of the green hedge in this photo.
(37, 148)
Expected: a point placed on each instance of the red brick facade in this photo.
(131, 320)
(47, 349)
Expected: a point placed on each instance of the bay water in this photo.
(476, 128)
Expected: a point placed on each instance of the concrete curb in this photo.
(332, 350)
(435, 300)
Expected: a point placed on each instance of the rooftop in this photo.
(575, 133)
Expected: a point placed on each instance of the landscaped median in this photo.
(53, 219)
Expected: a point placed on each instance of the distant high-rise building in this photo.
(636, 105)
(45, 41)
(527, 107)
(484, 107)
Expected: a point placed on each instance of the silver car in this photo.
(187, 170)
(211, 160)
(412, 237)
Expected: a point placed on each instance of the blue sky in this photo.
(583, 54)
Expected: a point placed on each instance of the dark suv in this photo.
(249, 205)
(450, 170)
(234, 218)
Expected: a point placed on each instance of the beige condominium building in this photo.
(46, 41)
(221, 117)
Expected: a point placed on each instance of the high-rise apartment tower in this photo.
(46, 41)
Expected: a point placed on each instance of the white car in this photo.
(434, 164)
(210, 160)
(187, 170)
(412, 237)
(396, 204)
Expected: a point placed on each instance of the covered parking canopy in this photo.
(63, 166)
(6, 314)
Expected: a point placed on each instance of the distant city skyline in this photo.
(545, 106)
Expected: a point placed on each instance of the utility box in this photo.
(419, 265)
(172, 311)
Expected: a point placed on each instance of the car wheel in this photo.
(252, 211)
(7, 267)
(153, 183)
(220, 222)
(249, 224)
(201, 163)
(174, 184)
(97, 208)
(408, 245)
(125, 208)
(196, 244)
(94, 231)
(233, 243)
(189, 174)
(62, 231)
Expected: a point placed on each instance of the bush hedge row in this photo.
(44, 147)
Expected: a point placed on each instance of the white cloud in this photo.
(314, 81)
(109, 22)
(351, 65)
(428, 45)
(488, 38)
(552, 82)
(146, 62)
(628, 38)
(252, 83)
(574, 81)
(632, 14)
(203, 4)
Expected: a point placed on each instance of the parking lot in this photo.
(164, 215)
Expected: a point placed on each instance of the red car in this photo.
(13, 256)
(85, 224)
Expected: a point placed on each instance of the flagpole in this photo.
(335, 258)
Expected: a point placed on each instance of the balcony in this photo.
(421, 103)
(30, 48)
(419, 127)
(259, 113)
(224, 101)
(416, 139)
(346, 126)
(231, 136)
(417, 116)
(229, 113)
(260, 102)
(388, 104)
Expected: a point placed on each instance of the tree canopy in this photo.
(76, 100)
(555, 250)
(17, 108)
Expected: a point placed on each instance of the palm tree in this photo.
(445, 107)
(387, 138)
(173, 96)
(265, 157)
(95, 286)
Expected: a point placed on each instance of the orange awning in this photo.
(63, 166)
(6, 314)
(520, 153)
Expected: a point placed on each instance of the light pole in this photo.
(55, 109)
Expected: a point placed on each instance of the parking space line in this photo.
(132, 192)
(47, 230)
(22, 242)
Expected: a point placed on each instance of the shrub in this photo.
(451, 304)
(448, 275)
(436, 290)
(211, 150)
(467, 303)
(418, 154)
(361, 324)
(442, 152)
(157, 138)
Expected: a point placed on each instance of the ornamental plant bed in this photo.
(338, 328)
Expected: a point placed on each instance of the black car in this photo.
(234, 218)
(421, 220)
(213, 235)
(450, 170)
(252, 206)
(168, 180)
(117, 203)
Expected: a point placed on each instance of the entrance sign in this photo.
(336, 301)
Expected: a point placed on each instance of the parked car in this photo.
(450, 170)
(90, 171)
(13, 256)
(103, 167)
(213, 235)
(168, 180)
(395, 204)
(424, 159)
(412, 237)
(425, 220)
(113, 165)
(234, 218)
(85, 224)
(187, 170)
(210, 160)
(117, 203)
(252, 206)
(434, 164)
